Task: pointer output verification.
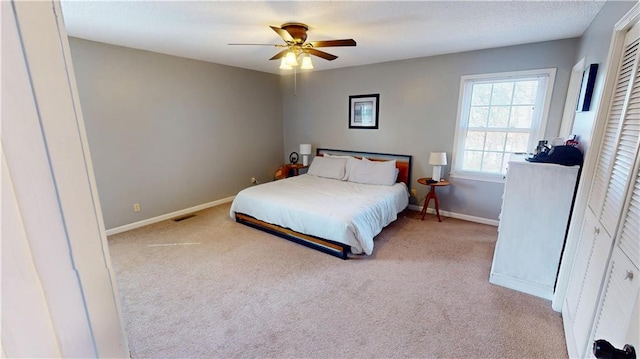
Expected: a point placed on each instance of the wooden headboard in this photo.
(403, 162)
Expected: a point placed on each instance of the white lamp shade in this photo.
(438, 158)
(291, 59)
(284, 65)
(305, 149)
(306, 63)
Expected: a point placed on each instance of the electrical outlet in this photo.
(136, 207)
(254, 180)
(413, 192)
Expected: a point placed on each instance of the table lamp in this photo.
(305, 151)
(437, 159)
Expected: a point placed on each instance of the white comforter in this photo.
(341, 211)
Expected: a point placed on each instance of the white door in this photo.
(59, 297)
(612, 178)
(620, 298)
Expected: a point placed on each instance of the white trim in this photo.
(465, 217)
(588, 169)
(575, 83)
(548, 97)
(182, 212)
(46, 153)
(479, 177)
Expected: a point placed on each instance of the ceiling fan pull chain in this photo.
(295, 82)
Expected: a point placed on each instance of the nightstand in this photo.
(432, 194)
(294, 168)
(289, 170)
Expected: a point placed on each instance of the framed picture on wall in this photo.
(363, 111)
(586, 89)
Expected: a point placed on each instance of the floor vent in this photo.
(184, 217)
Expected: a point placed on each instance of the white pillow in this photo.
(348, 158)
(328, 155)
(352, 163)
(328, 167)
(374, 172)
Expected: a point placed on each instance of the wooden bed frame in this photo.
(340, 250)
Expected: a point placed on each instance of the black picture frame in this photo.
(586, 89)
(363, 111)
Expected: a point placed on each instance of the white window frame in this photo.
(541, 113)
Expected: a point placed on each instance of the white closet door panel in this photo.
(633, 333)
(619, 295)
(630, 235)
(581, 262)
(593, 277)
(624, 160)
(628, 66)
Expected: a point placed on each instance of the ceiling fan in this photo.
(294, 35)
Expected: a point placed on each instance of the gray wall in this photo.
(418, 108)
(172, 133)
(594, 47)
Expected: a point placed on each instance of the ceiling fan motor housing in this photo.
(297, 30)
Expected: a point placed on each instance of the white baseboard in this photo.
(491, 222)
(521, 285)
(182, 212)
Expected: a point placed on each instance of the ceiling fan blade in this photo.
(322, 54)
(279, 55)
(332, 43)
(283, 34)
(256, 44)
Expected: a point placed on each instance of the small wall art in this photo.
(586, 89)
(363, 111)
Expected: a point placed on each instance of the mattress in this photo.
(340, 211)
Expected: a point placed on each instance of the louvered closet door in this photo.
(611, 179)
(625, 154)
(613, 167)
(620, 294)
(630, 236)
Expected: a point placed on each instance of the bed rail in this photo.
(324, 245)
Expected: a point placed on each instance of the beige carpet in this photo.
(230, 291)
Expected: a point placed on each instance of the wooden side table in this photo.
(432, 194)
(288, 170)
(295, 168)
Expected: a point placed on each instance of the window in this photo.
(499, 114)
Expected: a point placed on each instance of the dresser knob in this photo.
(596, 230)
(629, 275)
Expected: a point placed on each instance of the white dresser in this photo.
(535, 212)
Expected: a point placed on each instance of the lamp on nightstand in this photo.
(437, 159)
(305, 151)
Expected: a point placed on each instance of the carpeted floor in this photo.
(207, 287)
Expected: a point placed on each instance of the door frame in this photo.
(569, 114)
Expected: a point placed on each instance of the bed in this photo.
(335, 212)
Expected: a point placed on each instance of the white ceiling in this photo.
(383, 30)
